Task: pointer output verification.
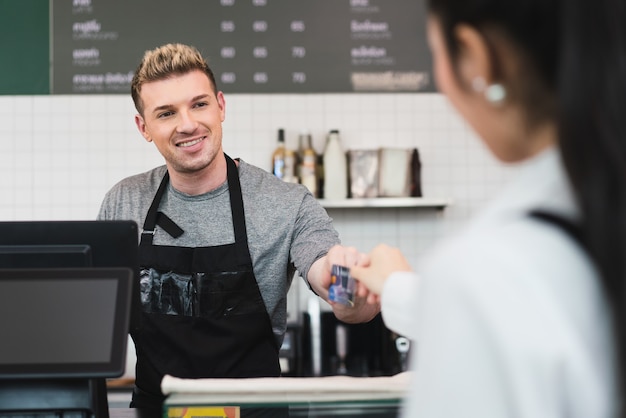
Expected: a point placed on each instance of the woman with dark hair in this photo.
(522, 314)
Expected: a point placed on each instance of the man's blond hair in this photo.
(164, 62)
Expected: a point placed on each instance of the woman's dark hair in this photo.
(576, 51)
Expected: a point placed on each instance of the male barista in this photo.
(219, 237)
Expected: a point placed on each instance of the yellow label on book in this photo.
(204, 412)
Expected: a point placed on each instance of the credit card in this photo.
(342, 285)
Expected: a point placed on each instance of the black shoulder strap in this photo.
(569, 227)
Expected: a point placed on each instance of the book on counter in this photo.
(204, 411)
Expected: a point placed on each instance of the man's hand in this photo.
(364, 309)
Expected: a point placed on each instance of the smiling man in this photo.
(220, 239)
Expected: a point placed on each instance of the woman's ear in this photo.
(475, 64)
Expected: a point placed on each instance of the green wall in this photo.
(24, 47)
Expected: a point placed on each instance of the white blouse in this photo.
(510, 318)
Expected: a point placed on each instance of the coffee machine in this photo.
(338, 348)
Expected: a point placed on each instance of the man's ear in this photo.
(475, 61)
(221, 103)
(141, 125)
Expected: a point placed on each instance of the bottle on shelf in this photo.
(291, 165)
(335, 168)
(278, 157)
(307, 170)
(320, 175)
(416, 174)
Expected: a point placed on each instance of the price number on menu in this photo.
(260, 78)
(298, 77)
(298, 51)
(228, 78)
(260, 52)
(227, 26)
(259, 26)
(228, 52)
(297, 26)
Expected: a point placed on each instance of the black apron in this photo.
(203, 314)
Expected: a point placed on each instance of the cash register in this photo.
(67, 298)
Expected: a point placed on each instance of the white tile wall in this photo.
(60, 154)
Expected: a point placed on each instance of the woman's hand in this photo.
(383, 260)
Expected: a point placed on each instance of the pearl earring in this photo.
(494, 93)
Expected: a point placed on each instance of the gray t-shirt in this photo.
(286, 225)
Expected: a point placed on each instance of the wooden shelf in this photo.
(386, 202)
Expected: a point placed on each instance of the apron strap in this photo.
(570, 228)
(168, 225)
(238, 214)
(147, 234)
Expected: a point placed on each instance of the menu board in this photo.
(253, 46)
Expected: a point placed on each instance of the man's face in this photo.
(183, 117)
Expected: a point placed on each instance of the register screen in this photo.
(58, 321)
